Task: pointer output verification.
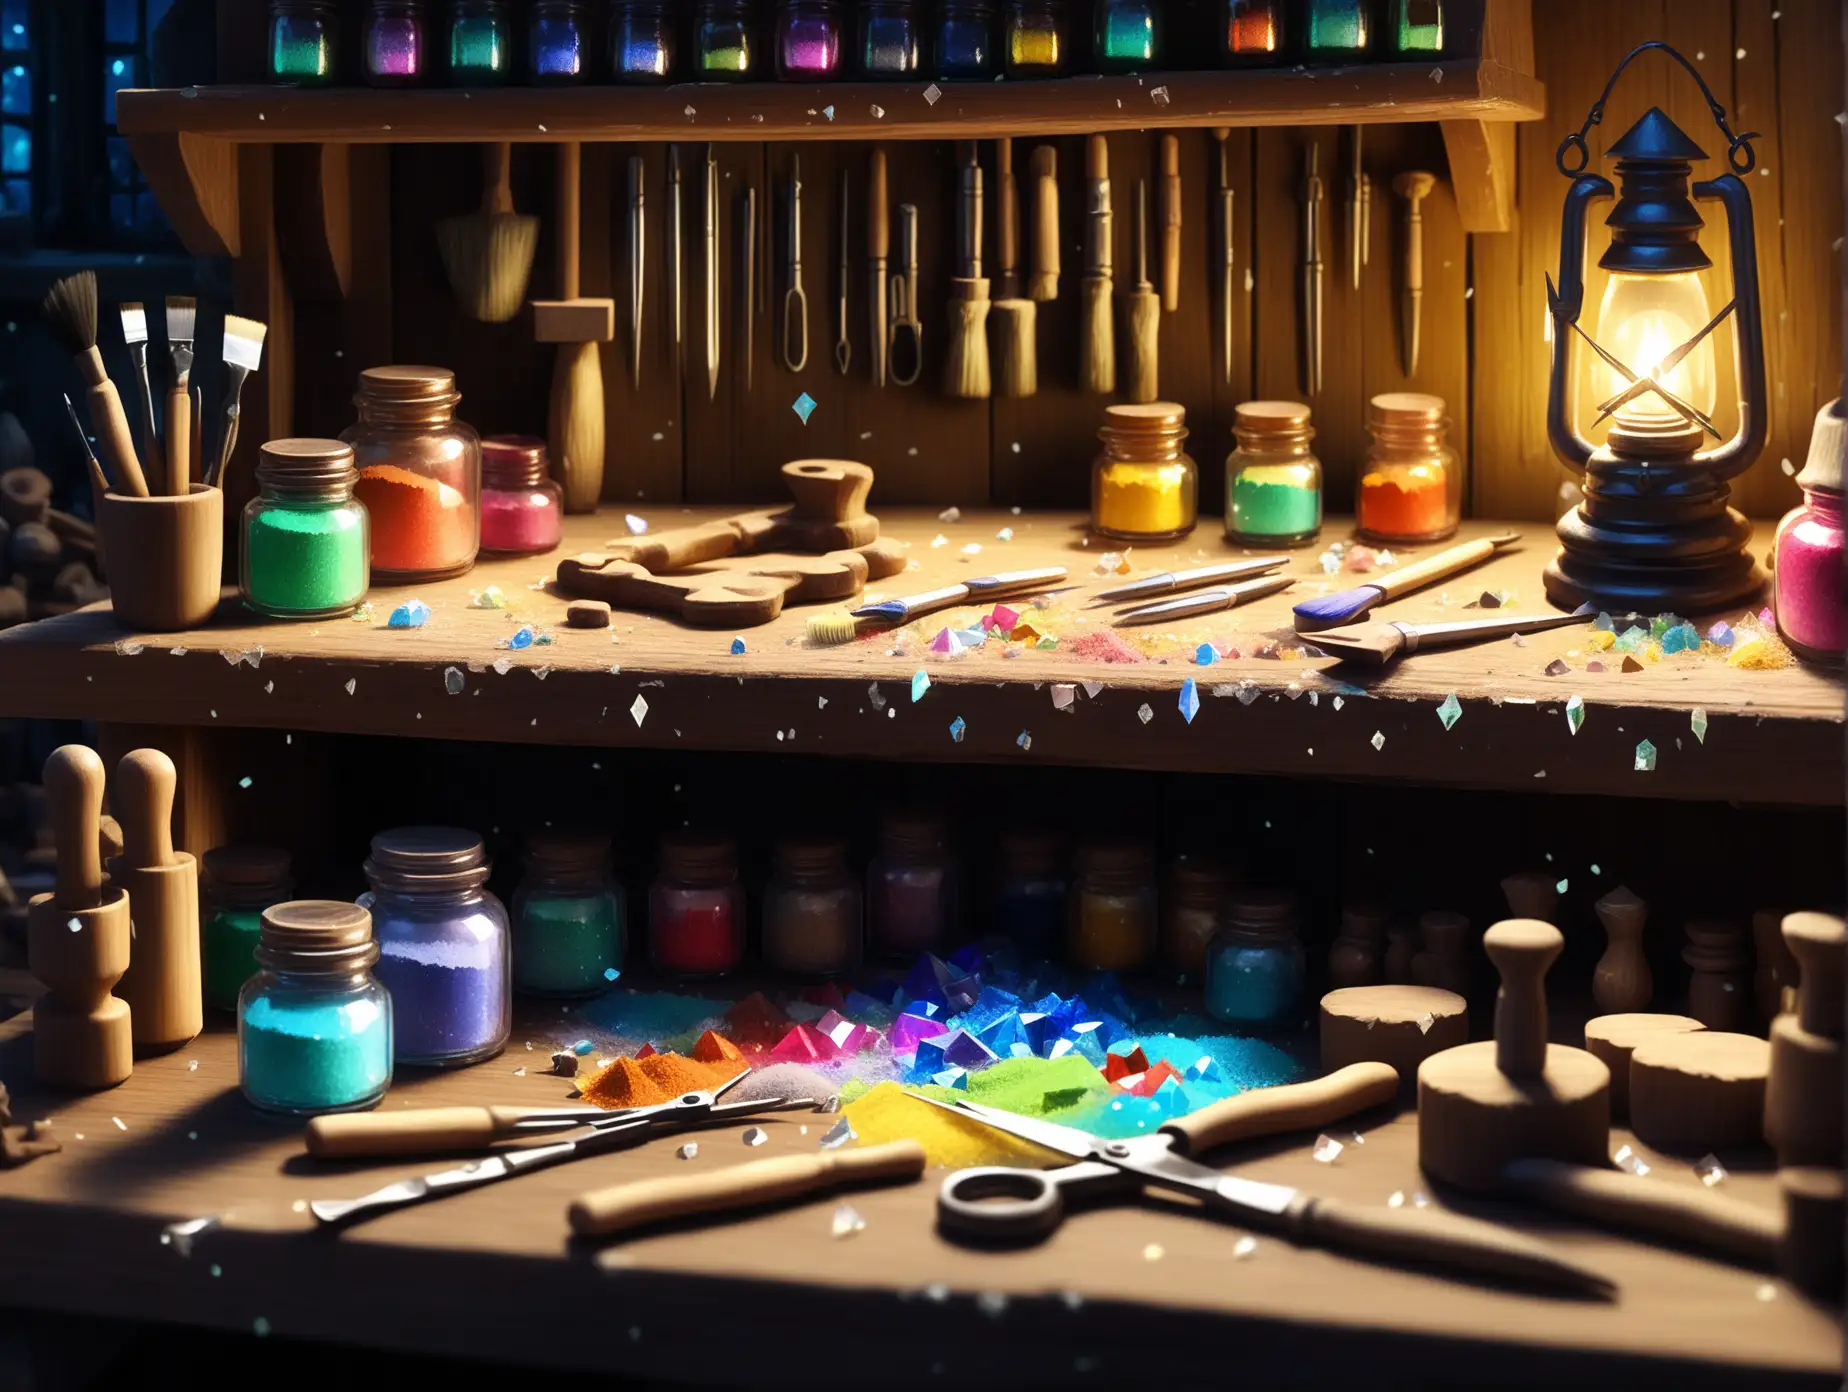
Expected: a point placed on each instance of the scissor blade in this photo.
(1064, 1140)
(1153, 1160)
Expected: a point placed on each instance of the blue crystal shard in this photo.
(920, 683)
(1720, 634)
(1206, 654)
(1190, 700)
(411, 614)
(1088, 1039)
(1450, 711)
(952, 1078)
(1033, 1029)
(970, 959)
(737, 647)
(957, 726)
(804, 407)
(1204, 1069)
(1002, 1033)
(522, 638)
(1645, 757)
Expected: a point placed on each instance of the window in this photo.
(127, 27)
(15, 107)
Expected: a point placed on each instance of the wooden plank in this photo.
(1774, 737)
(1482, 171)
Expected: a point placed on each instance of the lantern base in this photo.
(1653, 536)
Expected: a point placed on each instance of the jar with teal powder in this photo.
(1126, 35)
(480, 43)
(1337, 31)
(313, 1026)
(304, 48)
(1273, 481)
(1255, 965)
(306, 537)
(569, 935)
(237, 883)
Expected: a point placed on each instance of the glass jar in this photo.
(444, 944)
(394, 44)
(1255, 967)
(1411, 489)
(814, 917)
(965, 51)
(557, 44)
(724, 46)
(568, 931)
(236, 884)
(913, 887)
(1126, 35)
(480, 43)
(1273, 480)
(886, 39)
(1031, 892)
(696, 906)
(522, 508)
(1144, 486)
(808, 40)
(304, 42)
(1357, 956)
(1255, 33)
(419, 473)
(1337, 31)
(314, 1029)
(1808, 572)
(306, 538)
(1113, 918)
(1033, 38)
(1417, 28)
(1193, 912)
(643, 41)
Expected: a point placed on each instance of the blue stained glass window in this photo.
(17, 194)
(121, 163)
(16, 151)
(122, 21)
(147, 212)
(117, 74)
(13, 21)
(16, 91)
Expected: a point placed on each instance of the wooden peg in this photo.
(1622, 982)
(1443, 961)
(74, 780)
(1532, 894)
(1803, 1094)
(1522, 951)
(164, 984)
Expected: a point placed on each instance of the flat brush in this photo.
(1174, 581)
(243, 354)
(70, 311)
(966, 370)
(1013, 582)
(135, 335)
(182, 315)
(1331, 611)
(1207, 601)
(1376, 644)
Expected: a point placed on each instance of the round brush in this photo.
(1015, 318)
(966, 368)
(70, 310)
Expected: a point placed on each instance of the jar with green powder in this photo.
(1127, 35)
(1273, 481)
(1417, 28)
(304, 43)
(480, 43)
(237, 884)
(569, 937)
(306, 537)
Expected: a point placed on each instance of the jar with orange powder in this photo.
(419, 473)
(1412, 487)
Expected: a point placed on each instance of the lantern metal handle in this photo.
(1739, 152)
(1748, 442)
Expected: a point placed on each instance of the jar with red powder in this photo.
(522, 510)
(696, 906)
(1411, 489)
(419, 474)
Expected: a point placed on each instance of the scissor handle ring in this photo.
(994, 1202)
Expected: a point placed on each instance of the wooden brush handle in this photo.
(570, 199)
(1144, 338)
(427, 1131)
(742, 1186)
(113, 436)
(179, 439)
(1170, 223)
(73, 780)
(1293, 1107)
(1698, 1217)
(1044, 282)
(1007, 220)
(1097, 342)
(878, 216)
(143, 801)
(1446, 562)
(497, 178)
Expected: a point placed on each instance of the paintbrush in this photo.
(70, 311)
(182, 314)
(1207, 601)
(1170, 223)
(1142, 314)
(99, 481)
(1015, 318)
(1376, 644)
(674, 289)
(1174, 581)
(901, 611)
(1043, 283)
(878, 247)
(1331, 611)
(243, 353)
(638, 263)
(711, 240)
(1313, 197)
(1098, 342)
(135, 335)
(966, 363)
(1228, 254)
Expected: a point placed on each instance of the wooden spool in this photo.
(1814, 1209)
(1613, 1038)
(1443, 961)
(1532, 894)
(1803, 1095)
(1699, 1092)
(164, 982)
(1398, 1025)
(1483, 1105)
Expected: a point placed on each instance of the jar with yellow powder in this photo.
(1113, 914)
(1411, 489)
(1144, 485)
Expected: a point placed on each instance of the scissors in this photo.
(613, 1131)
(997, 1203)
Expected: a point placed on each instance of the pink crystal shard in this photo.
(1120, 1066)
(827, 994)
(845, 1035)
(804, 1044)
(646, 1051)
(1002, 618)
(909, 1030)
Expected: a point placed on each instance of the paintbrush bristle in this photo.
(182, 311)
(70, 310)
(243, 342)
(1333, 610)
(134, 322)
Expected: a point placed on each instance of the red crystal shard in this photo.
(1123, 1065)
(646, 1051)
(1155, 1077)
(712, 1047)
(805, 1045)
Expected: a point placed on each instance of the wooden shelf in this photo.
(1773, 737)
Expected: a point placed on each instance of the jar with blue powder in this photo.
(313, 1025)
(1255, 964)
(444, 945)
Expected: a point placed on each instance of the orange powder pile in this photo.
(712, 1047)
(417, 522)
(628, 1082)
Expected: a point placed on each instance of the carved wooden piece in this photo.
(1811, 1258)
(829, 514)
(1532, 894)
(1397, 1025)
(1622, 981)
(1699, 1092)
(1774, 970)
(165, 558)
(162, 985)
(1803, 1095)
(1720, 988)
(1613, 1038)
(743, 595)
(1356, 957)
(1443, 961)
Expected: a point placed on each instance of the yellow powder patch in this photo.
(889, 1113)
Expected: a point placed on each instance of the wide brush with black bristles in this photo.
(70, 310)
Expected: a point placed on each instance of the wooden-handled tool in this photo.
(163, 984)
(1292, 1107)
(1015, 318)
(829, 514)
(1331, 611)
(1097, 341)
(1043, 284)
(966, 363)
(1142, 315)
(1739, 1232)
(78, 938)
(577, 325)
(70, 312)
(1414, 186)
(1227, 251)
(436, 1130)
(878, 248)
(1376, 644)
(777, 1180)
(1170, 223)
(1314, 198)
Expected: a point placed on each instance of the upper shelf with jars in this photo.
(470, 70)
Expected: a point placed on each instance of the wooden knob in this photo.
(1522, 950)
(74, 781)
(1817, 941)
(828, 490)
(144, 787)
(1532, 894)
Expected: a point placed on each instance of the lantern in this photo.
(1654, 531)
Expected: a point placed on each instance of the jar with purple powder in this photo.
(808, 40)
(394, 46)
(443, 945)
(913, 887)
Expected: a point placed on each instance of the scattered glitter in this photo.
(1630, 1162)
(950, 514)
(1025, 741)
(636, 525)
(1154, 1252)
(920, 683)
(1327, 1149)
(688, 1151)
(1711, 1172)
(1697, 721)
(1145, 712)
(932, 94)
(1378, 741)
(1190, 700)
(639, 710)
(957, 728)
(1244, 1247)
(737, 647)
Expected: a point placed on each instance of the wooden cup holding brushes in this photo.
(163, 984)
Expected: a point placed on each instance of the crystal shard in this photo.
(1190, 700)
(920, 683)
(1575, 713)
(413, 613)
(952, 1078)
(839, 1135)
(804, 407)
(1206, 655)
(1645, 757)
(1450, 711)
(688, 1151)
(804, 1044)
(1710, 1171)
(908, 1031)
(1118, 1066)
(1327, 1149)
(1630, 1162)
(1204, 1069)
(847, 1221)
(1697, 721)
(1378, 741)
(756, 1136)
(957, 726)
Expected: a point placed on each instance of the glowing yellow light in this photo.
(1644, 319)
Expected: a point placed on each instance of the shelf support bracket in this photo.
(314, 219)
(194, 178)
(1482, 173)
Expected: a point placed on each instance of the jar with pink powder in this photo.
(522, 509)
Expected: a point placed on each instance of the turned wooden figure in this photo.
(163, 984)
(1355, 958)
(1774, 970)
(1720, 989)
(1397, 1025)
(1803, 1096)
(1483, 1105)
(77, 940)
(1698, 1092)
(1532, 894)
(1622, 983)
(1443, 961)
(1401, 947)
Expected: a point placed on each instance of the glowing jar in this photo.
(236, 884)
(1255, 967)
(522, 508)
(1254, 33)
(1144, 486)
(1033, 38)
(558, 46)
(305, 536)
(304, 43)
(419, 473)
(1113, 916)
(394, 46)
(696, 906)
(568, 932)
(808, 40)
(1337, 31)
(887, 39)
(1273, 479)
(1126, 35)
(814, 916)
(965, 48)
(1411, 488)
(724, 46)
(480, 43)
(913, 888)
(1031, 892)
(643, 42)
(1416, 29)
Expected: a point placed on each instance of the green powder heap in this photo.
(1264, 510)
(303, 563)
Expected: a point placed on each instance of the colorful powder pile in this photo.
(628, 1082)
(419, 524)
(889, 1113)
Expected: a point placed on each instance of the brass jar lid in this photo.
(1271, 417)
(407, 385)
(307, 935)
(559, 849)
(432, 859)
(246, 866)
(1145, 416)
(1405, 408)
(305, 462)
(512, 461)
(811, 857)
